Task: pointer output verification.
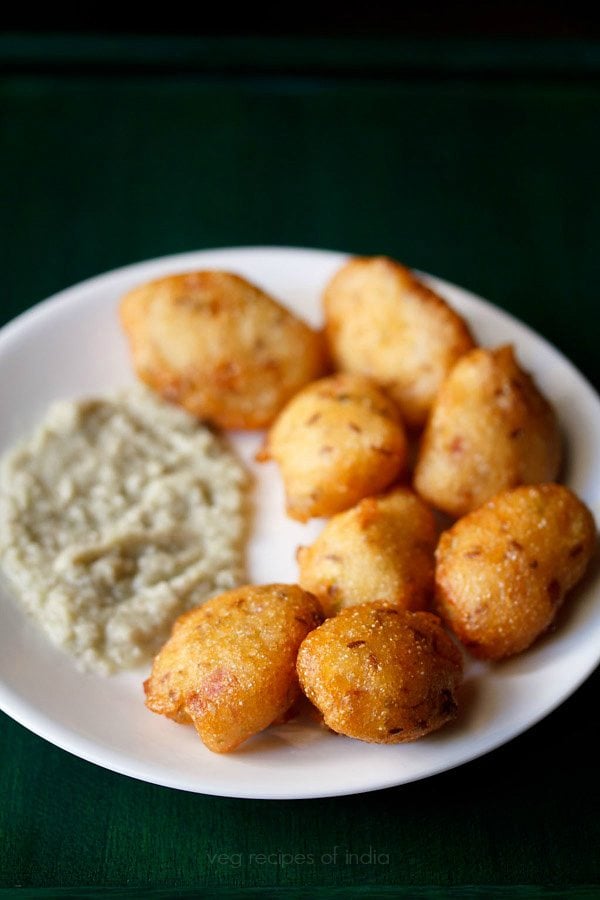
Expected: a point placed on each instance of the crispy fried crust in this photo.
(381, 549)
(383, 322)
(503, 571)
(229, 665)
(381, 674)
(490, 429)
(337, 441)
(220, 347)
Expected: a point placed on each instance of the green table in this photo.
(476, 162)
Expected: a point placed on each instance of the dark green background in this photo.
(474, 161)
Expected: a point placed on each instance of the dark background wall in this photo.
(516, 19)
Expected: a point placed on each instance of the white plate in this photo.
(70, 346)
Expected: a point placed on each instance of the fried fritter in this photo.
(381, 674)
(503, 571)
(220, 347)
(490, 429)
(229, 666)
(337, 441)
(381, 549)
(383, 322)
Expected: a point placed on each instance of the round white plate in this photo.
(71, 346)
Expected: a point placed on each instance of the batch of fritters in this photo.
(372, 633)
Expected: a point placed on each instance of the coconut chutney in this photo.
(116, 515)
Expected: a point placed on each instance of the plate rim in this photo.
(78, 745)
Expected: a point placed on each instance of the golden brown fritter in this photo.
(383, 322)
(381, 674)
(337, 441)
(490, 429)
(381, 549)
(229, 665)
(220, 347)
(503, 571)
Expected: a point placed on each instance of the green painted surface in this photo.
(490, 181)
